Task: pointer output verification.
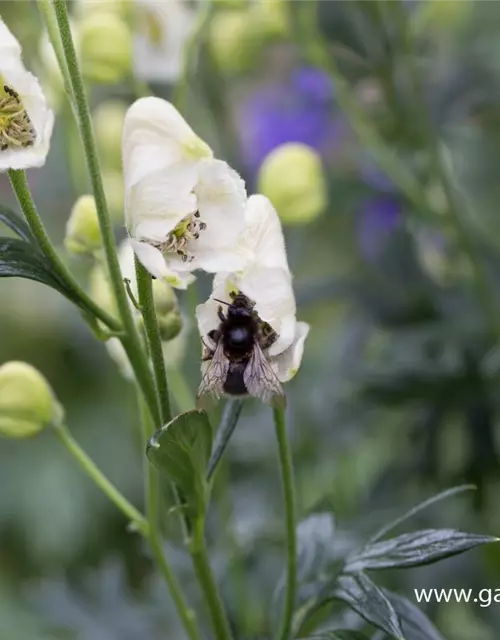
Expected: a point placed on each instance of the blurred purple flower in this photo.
(379, 216)
(300, 108)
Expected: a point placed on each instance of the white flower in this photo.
(267, 281)
(26, 121)
(184, 209)
(159, 42)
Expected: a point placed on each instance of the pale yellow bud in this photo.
(170, 325)
(292, 177)
(27, 403)
(108, 127)
(235, 40)
(83, 234)
(105, 47)
(271, 18)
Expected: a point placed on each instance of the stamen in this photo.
(16, 128)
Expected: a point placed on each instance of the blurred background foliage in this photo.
(398, 396)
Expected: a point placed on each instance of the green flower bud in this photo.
(115, 194)
(105, 47)
(271, 18)
(441, 15)
(292, 177)
(170, 325)
(27, 403)
(235, 40)
(108, 126)
(122, 8)
(83, 234)
(164, 297)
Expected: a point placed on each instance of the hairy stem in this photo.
(97, 476)
(131, 341)
(286, 467)
(152, 489)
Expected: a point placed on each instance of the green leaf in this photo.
(340, 634)
(22, 260)
(181, 450)
(414, 549)
(415, 624)
(420, 507)
(16, 223)
(370, 602)
(315, 545)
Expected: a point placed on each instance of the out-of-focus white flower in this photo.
(159, 41)
(184, 209)
(265, 280)
(26, 121)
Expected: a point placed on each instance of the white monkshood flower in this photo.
(25, 119)
(184, 209)
(159, 40)
(265, 280)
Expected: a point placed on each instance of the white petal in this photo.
(263, 233)
(159, 201)
(152, 259)
(13, 74)
(155, 136)
(287, 363)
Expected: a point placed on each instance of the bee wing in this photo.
(261, 381)
(215, 374)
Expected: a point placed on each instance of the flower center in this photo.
(16, 128)
(189, 228)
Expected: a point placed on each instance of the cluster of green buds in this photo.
(27, 403)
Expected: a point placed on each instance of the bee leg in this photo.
(268, 337)
(221, 315)
(214, 335)
(207, 353)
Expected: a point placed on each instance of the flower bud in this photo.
(108, 127)
(235, 40)
(105, 47)
(271, 18)
(167, 310)
(91, 7)
(83, 234)
(27, 403)
(170, 325)
(292, 177)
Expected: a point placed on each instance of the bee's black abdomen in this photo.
(234, 384)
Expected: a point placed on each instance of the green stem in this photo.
(131, 341)
(186, 614)
(317, 53)
(209, 587)
(21, 189)
(147, 306)
(440, 172)
(96, 475)
(286, 466)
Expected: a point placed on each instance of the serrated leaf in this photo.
(16, 223)
(22, 260)
(340, 634)
(420, 507)
(370, 602)
(414, 549)
(181, 450)
(415, 624)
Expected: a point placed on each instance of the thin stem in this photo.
(286, 466)
(152, 489)
(439, 171)
(21, 189)
(230, 416)
(147, 306)
(210, 590)
(97, 476)
(131, 341)
(317, 53)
